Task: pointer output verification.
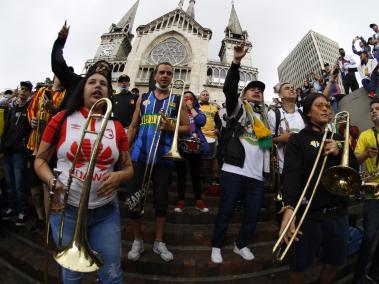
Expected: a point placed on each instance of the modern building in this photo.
(178, 38)
(308, 56)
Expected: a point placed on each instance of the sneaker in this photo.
(371, 94)
(245, 253)
(179, 206)
(9, 214)
(216, 256)
(201, 206)
(38, 226)
(161, 249)
(137, 248)
(21, 220)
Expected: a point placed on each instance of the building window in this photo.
(170, 50)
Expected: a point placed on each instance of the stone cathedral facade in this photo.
(178, 38)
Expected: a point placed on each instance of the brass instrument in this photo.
(369, 186)
(77, 254)
(348, 182)
(136, 202)
(343, 180)
(275, 173)
(41, 124)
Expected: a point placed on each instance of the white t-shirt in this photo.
(114, 141)
(253, 165)
(293, 121)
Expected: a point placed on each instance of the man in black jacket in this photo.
(68, 78)
(15, 137)
(242, 171)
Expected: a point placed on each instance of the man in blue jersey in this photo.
(141, 132)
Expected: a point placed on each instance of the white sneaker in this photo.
(216, 256)
(245, 253)
(161, 249)
(135, 252)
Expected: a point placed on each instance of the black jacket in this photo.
(300, 155)
(69, 80)
(16, 130)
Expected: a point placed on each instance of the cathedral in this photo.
(178, 38)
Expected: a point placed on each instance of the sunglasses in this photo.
(322, 105)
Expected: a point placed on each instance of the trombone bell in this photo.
(79, 258)
(342, 181)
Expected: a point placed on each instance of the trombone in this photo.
(340, 180)
(136, 202)
(77, 254)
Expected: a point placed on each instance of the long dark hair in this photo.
(75, 102)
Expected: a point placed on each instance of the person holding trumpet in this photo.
(367, 153)
(326, 224)
(153, 117)
(60, 138)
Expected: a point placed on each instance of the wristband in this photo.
(284, 208)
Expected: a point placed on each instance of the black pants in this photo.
(161, 179)
(350, 82)
(194, 162)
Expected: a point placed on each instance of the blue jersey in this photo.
(149, 115)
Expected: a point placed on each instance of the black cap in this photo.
(254, 84)
(27, 84)
(124, 79)
(372, 25)
(8, 92)
(326, 64)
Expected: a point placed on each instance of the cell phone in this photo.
(48, 94)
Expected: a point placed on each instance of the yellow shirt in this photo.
(367, 139)
(209, 110)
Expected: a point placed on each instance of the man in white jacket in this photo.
(368, 69)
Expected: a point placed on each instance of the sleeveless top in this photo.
(149, 115)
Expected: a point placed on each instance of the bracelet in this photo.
(284, 208)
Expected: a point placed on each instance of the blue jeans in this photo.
(104, 237)
(15, 176)
(370, 85)
(234, 188)
(370, 229)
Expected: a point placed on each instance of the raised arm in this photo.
(58, 63)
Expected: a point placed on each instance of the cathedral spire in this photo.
(126, 23)
(180, 5)
(234, 25)
(191, 9)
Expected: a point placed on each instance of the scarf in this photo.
(263, 134)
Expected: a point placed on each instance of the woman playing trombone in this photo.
(326, 224)
(61, 139)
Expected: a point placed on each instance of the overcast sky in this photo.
(29, 28)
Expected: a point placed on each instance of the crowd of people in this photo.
(347, 66)
(42, 129)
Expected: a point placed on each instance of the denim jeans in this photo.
(234, 188)
(371, 227)
(15, 176)
(104, 237)
(370, 85)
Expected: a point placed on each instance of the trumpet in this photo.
(340, 180)
(136, 202)
(77, 254)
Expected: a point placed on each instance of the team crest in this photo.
(315, 143)
(146, 103)
(108, 134)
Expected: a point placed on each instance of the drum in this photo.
(212, 142)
